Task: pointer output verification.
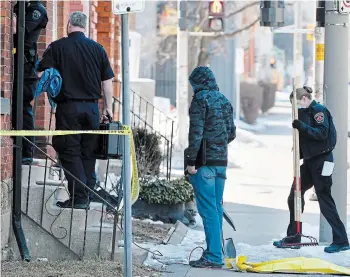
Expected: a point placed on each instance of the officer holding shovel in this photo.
(317, 136)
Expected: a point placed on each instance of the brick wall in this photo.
(108, 35)
(93, 20)
(5, 119)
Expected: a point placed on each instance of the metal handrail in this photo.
(134, 92)
(168, 138)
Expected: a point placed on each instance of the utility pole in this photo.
(126, 153)
(336, 99)
(297, 44)
(319, 63)
(319, 50)
(319, 60)
(182, 76)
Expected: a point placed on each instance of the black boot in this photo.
(292, 237)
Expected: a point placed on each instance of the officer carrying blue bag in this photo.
(318, 137)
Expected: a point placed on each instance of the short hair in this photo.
(78, 19)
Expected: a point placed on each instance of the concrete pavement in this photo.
(186, 271)
(256, 194)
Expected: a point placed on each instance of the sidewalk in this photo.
(178, 271)
(182, 271)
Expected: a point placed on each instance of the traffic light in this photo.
(216, 16)
(272, 13)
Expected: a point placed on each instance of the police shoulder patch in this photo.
(319, 117)
(36, 15)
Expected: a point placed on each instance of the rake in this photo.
(297, 187)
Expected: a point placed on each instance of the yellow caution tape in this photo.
(289, 265)
(135, 186)
(230, 263)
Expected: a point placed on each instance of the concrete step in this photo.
(139, 255)
(34, 173)
(70, 226)
(42, 204)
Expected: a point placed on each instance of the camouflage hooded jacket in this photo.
(211, 120)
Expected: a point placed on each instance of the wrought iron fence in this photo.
(146, 116)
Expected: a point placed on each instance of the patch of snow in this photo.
(104, 225)
(258, 127)
(42, 259)
(121, 243)
(112, 181)
(199, 221)
(149, 221)
(246, 137)
(179, 254)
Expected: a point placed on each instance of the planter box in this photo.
(163, 212)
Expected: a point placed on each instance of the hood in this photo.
(202, 78)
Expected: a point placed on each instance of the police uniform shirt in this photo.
(35, 20)
(82, 63)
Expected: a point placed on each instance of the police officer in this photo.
(84, 67)
(35, 21)
(317, 140)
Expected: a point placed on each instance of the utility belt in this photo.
(30, 55)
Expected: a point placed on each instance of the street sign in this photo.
(319, 52)
(126, 6)
(344, 6)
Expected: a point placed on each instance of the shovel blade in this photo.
(229, 220)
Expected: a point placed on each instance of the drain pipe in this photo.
(17, 155)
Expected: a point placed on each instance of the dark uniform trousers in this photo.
(35, 21)
(76, 152)
(28, 116)
(310, 173)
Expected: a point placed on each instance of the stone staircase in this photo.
(78, 230)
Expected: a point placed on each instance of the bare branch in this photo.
(242, 9)
(239, 30)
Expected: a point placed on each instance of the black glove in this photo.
(106, 118)
(297, 124)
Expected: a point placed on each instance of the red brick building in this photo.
(104, 27)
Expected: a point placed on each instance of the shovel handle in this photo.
(296, 158)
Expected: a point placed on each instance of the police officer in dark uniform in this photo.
(84, 67)
(318, 138)
(35, 21)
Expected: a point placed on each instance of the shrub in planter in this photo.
(163, 200)
(162, 191)
(148, 152)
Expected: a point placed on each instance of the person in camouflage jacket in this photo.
(211, 130)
